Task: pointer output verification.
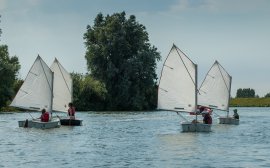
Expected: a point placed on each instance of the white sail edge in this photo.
(170, 93)
(62, 87)
(35, 92)
(215, 88)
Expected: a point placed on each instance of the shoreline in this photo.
(234, 102)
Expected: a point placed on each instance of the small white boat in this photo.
(36, 93)
(178, 89)
(215, 92)
(228, 120)
(62, 90)
(70, 122)
(36, 123)
(195, 127)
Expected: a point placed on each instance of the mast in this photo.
(229, 96)
(196, 95)
(71, 90)
(51, 106)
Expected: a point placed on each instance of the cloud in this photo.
(33, 2)
(220, 5)
(3, 4)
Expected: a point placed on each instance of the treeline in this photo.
(245, 93)
(248, 93)
(121, 67)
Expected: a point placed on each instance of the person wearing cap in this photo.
(235, 115)
(207, 119)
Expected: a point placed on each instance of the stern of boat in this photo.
(228, 120)
(195, 127)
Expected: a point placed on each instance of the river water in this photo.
(136, 139)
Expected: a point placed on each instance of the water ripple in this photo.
(138, 139)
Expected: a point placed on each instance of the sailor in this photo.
(44, 116)
(235, 115)
(71, 111)
(204, 108)
(207, 119)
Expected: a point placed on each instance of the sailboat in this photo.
(177, 89)
(215, 92)
(36, 93)
(62, 89)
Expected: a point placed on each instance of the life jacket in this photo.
(207, 119)
(45, 117)
(71, 111)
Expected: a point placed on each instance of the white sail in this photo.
(36, 91)
(62, 87)
(215, 89)
(177, 85)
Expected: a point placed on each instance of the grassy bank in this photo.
(9, 109)
(250, 102)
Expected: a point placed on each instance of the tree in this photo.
(120, 56)
(0, 29)
(88, 93)
(267, 95)
(245, 93)
(9, 68)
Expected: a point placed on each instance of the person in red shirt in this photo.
(71, 111)
(45, 116)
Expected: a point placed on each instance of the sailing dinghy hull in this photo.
(195, 127)
(70, 122)
(228, 120)
(38, 124)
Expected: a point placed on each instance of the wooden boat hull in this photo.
(71, 122)
(228, 120)
(38, 124)
(195, 127)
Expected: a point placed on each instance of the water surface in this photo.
(136, 139)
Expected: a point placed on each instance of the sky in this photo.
(234, 32)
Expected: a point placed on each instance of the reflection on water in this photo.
(136, 139)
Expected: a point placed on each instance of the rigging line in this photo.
(229, 89)
(164, 65)
(58, 64)
(216, 114)
(223, 79)
(181, 116)
(185, 64)
(29, 72)
(45, 74)
(206, 76)
(223, 68)
(30, 115)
